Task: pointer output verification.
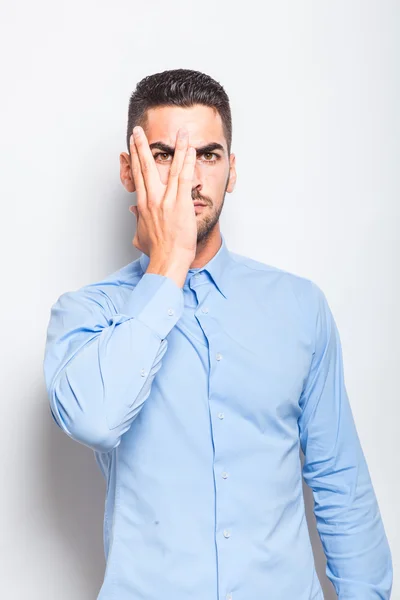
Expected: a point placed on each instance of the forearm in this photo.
(350, 526)
(96, 396)
(99, 369)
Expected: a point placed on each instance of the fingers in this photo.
(185, 179)
(134, 209)
(137, 174)
(181, 146)
(148, 167)
(146, 175)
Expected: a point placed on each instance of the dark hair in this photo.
(178, 87)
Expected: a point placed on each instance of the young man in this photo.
(196, 374)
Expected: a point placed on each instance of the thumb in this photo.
(134, 210)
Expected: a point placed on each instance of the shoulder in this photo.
(276, 280)
(299, 298)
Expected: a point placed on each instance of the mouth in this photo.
(199, 204)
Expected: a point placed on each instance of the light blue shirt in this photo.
(196, 402)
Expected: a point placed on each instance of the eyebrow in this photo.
(201, 150)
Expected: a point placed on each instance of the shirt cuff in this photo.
(157, 301)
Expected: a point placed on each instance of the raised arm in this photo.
(99, 364)
(349, 523)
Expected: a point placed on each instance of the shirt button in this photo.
(204, 309)
(197, 274)
(221, 415)
(229, 597)
(224, 475)
(170, 312)
(143, 373)
(227, 533)
(218, 356)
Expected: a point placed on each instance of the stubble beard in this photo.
(207, 223)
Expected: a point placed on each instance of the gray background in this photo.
(314, 88)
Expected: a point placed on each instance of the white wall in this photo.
(315, 95)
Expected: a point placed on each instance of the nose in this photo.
(196, 184)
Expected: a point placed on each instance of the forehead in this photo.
(203, 123)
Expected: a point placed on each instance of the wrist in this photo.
(173, 268)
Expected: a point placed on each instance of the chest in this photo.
(250, 358)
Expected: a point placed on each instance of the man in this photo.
(196, 374)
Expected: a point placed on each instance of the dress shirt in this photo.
(196, 402)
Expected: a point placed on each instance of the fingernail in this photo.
(136, 131)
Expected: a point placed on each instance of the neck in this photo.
(207, 248)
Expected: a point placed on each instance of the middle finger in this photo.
(181, 145)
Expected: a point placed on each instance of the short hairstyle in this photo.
(178, 87)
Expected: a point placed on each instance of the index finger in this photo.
(149, 169)
(185, 178)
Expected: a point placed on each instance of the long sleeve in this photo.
(99, 363)
(359, 562)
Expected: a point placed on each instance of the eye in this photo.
(211, 154)
(165, 155)
(157, 154)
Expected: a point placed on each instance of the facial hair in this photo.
(207, 224)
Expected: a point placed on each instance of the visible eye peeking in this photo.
(166, 154)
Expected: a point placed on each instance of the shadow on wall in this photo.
(319, 556)
(74, 494)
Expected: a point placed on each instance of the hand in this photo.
(166, 219)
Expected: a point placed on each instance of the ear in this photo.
(232, 173)
(125, 172)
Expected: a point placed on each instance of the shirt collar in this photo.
(217, 266)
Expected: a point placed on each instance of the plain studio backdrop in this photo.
(314, 90)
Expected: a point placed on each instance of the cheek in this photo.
(215, 183)
(213, 176)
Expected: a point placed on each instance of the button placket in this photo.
(224, 532)
(221, 415)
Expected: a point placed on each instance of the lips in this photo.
(199, 204)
